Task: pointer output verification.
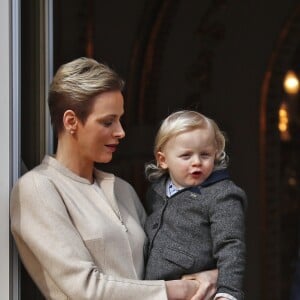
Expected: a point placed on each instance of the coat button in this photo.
(154, 226)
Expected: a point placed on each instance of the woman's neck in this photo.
(68, 156)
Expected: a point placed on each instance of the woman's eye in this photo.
(107, 123)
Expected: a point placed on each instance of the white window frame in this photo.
(6, 149)
(10, 162)
(14, 131)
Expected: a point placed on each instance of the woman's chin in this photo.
(104, 160)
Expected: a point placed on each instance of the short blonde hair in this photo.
(75, 86)
(180, 122)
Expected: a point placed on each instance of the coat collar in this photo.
(216, 176)
(98, 175)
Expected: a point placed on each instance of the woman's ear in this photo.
(70, 121)
(161, 160)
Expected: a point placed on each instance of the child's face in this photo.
(189, 157)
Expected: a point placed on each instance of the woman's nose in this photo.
(119, 133)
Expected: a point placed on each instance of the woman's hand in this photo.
(181, 289)
(207, 284)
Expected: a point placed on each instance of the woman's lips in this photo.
(112, 147)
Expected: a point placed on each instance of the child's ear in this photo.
(161, 160)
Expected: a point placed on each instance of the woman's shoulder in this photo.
(30, 176)
(36, 181)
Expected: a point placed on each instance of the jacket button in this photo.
(154, 226)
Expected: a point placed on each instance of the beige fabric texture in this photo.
(71, 238)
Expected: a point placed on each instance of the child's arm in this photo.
(227, 217)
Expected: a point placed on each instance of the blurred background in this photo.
(237, 62)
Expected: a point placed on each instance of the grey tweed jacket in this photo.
(198, 228)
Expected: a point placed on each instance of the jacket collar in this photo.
(98, 175)
(216, 176)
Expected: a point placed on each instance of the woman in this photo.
(79, 231)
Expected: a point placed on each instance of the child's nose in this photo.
(197, 160)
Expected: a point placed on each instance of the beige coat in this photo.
(80, 240)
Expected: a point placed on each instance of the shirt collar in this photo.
(171, 189)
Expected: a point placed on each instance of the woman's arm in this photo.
(182, 289)
(207, 284)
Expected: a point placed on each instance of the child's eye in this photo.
(185, 156)
(205, 155)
